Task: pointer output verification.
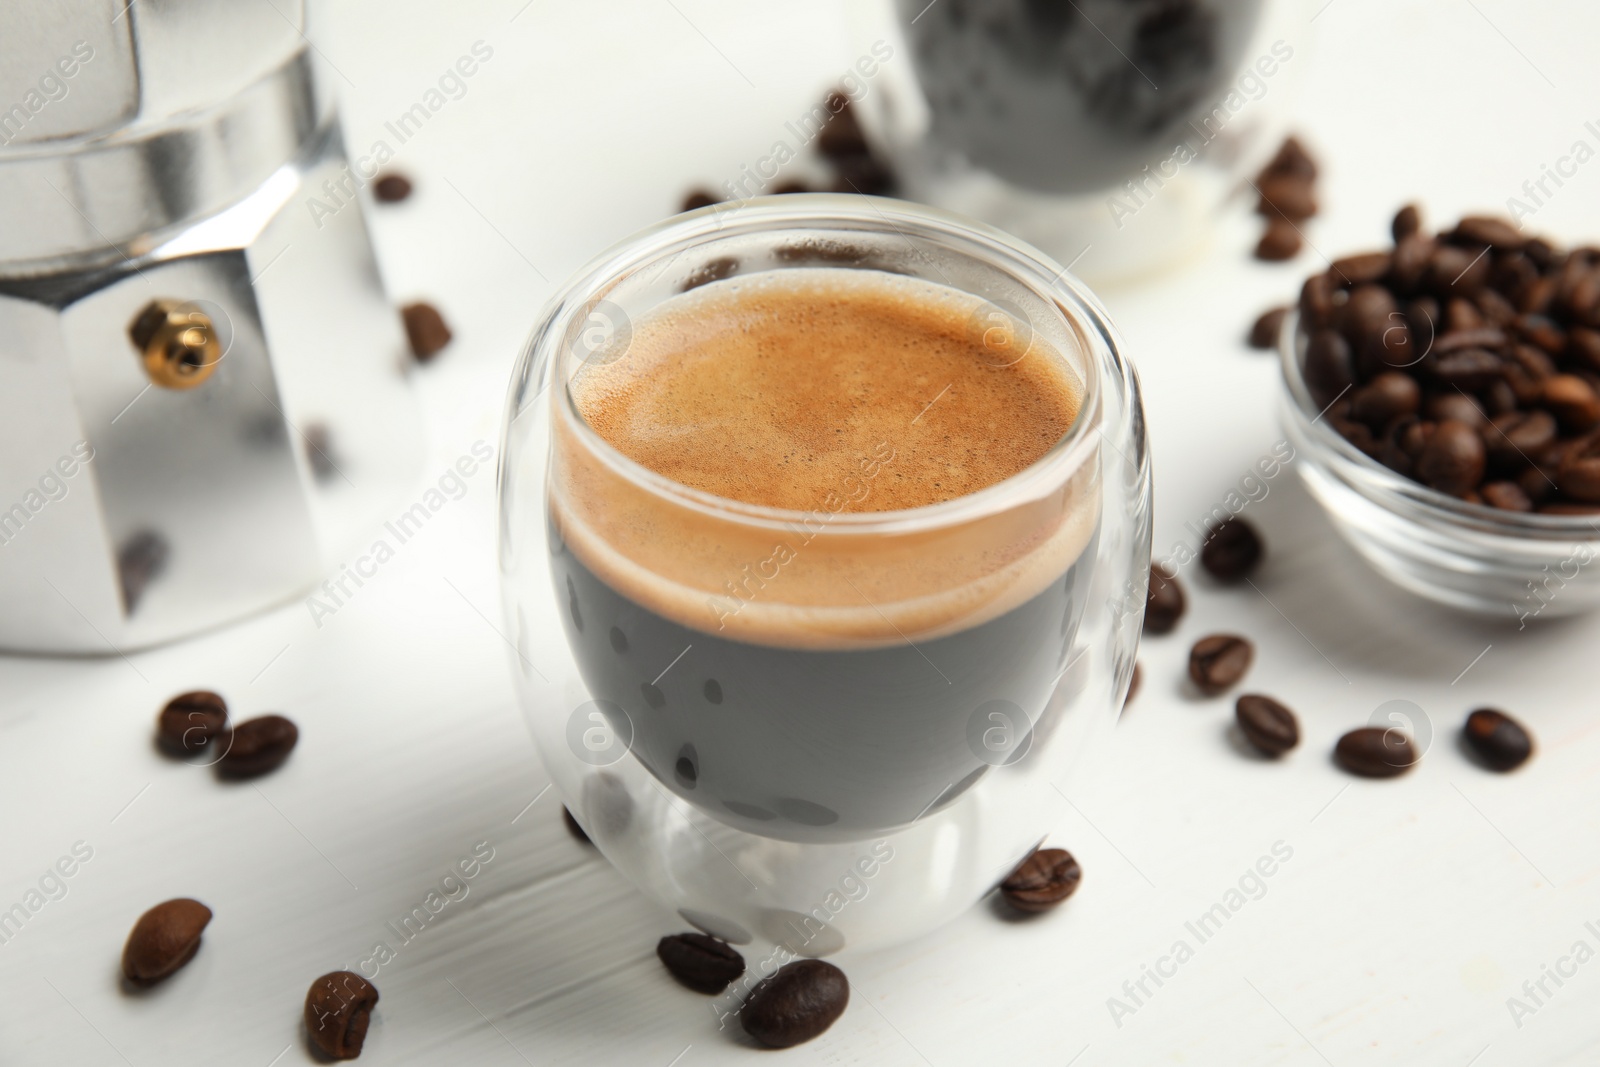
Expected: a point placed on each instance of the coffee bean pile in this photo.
(843, 147)
(1288, 191)
(1467, 360)
(1219, 662)
(197, 723)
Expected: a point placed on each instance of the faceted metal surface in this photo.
(132, 514)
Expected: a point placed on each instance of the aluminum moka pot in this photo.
(202, 383)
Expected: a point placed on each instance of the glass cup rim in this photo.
(816, 211)
(1398, 490)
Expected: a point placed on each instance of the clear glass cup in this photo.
(1108, 133)
(1469, 556)
(860, 777)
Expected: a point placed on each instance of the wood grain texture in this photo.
(1407, 914)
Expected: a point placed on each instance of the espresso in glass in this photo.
(744, 546)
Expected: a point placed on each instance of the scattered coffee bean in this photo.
(1287, 187)
(1407, 221)
(1232, 550)
(425, 329)
(1134, 682)
(258, 746)
(1164, 602)
(700, 961)
(338, 1010)
(572, 826)
(164, 939)
(698, 198)
(1266, 724)
(796, 1003)
(391, 188)
(789, 188)
(1042, 881)
(1281, 241)
(1218, 662)
(841, 136)
(1499, 740)
(1375, 752)
(190, 721)
(1264, 334)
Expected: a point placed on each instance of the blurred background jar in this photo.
(1109, 133)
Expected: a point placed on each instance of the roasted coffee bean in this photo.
(1579, 473)
(425, 329)
(1232, 550)
(841, 135)
(190, 721)
(1584, 510)
(1507, 496)
(1407, 221)
(1329, 366)
(1292, 158)
(1583, 347)
(867, 175)
(796, 1003)
(1543, 332)
(1498, 398)
(1463, 316)
(1453, 460)
(701, 962)
(1387, 397)
(1535, 297)
(1484, 230)
(1266, 724)
(789, 188)
(1267, 328)
(1164, 602)
(1570, 399)
(1537, 484)
(1368, 310)
(698, 198)
(258, 746)
(1362, 268)
(572, 826)
(1375, 752)
(1455, 271)
(1513, 439)
(1467, 368)
(1288, 196)
(1496, 308)
(1408, 266)
(1498, 739)
(1281, 241)
(338, 1011)
(1584, 299)
(165, 938)
(1316, 302)
(1134, 681)
(1218, 662)
(1457, 406)
(391, 188)
(1043, 880)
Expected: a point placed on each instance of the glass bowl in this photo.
(792, 791)
(1108, 133)
(1469, 556)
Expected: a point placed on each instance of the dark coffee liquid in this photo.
(817, 745)
(1072, 97)
(808, 678)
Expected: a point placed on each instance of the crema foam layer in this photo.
(823, 392)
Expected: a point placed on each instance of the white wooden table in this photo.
(1407, 915)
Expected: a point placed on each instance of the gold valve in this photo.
(177, 342)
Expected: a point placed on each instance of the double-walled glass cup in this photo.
(830, 727)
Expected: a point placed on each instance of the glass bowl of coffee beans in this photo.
(1444, 396)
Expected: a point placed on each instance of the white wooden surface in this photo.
(1408, 914)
